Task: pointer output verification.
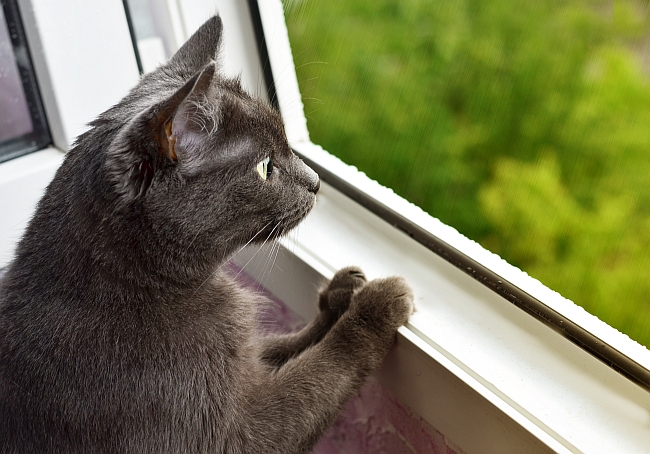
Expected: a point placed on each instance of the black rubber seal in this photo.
(134, 39)
(39, 137)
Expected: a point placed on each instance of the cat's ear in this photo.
(202, 47)
(172, 117)
(147, 143)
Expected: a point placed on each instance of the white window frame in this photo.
(84, 62)
(484, 373)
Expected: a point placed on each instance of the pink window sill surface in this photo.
(373, 421)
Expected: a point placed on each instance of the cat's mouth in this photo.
(277, 228)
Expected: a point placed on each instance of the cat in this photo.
(120, 330)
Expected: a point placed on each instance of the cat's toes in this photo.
(385, 303)
(349, 277)
(336, 296)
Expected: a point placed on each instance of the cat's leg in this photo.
(292, 407)
(333, 301)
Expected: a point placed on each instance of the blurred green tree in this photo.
(525, 126)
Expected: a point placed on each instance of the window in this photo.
(74, 53)
(486, 338)
(152, 25)
(522, 129)
(23, 127)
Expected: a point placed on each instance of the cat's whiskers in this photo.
(259, 248)
(211, 275)
(275, 246)
(254, 236)
(294, 239)
(275, 258)
(272, 256)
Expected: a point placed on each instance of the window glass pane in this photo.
(525, 127)
(22, 122)
(16, 121)
(152, 22)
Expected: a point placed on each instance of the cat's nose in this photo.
(315, 187)
(307, 176)
(311, 179)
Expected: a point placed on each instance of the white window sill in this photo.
(22, 183)
(487, 375)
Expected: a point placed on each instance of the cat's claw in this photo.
(338, 293)
(385, 303)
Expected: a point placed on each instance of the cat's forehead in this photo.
(235, 126)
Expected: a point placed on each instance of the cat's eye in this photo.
(265, 168)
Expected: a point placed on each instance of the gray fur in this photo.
(119, 333)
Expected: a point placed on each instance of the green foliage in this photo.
(526, 127)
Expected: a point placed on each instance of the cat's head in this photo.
(199, 158)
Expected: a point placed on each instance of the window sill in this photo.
(484, 373)
(22, 183)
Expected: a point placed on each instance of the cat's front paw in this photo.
(337, 295)
(384, 304)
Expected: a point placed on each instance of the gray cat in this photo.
(120, 333)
